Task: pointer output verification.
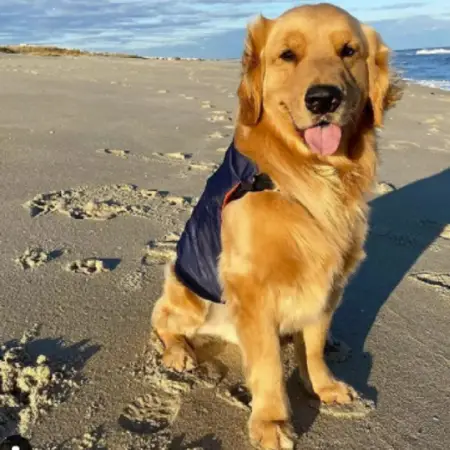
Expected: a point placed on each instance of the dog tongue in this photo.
(323, 139)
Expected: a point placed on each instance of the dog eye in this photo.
(347, 51)
(288, 55)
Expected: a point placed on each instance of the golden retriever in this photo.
(314, 87)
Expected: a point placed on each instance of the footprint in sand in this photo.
(160, 252)
(401, 239)
(105, 202)
(179, 157)
(187, 97)
(30, 387)
(400, 145)
(175, 200)
(433, 130)
(90, 440)
(441, 281)
(149, 368)
(115, 152)
(216, 135)
(157, 409)
(206, 104)
(203, 166)
(151, 413)
(359, 408)
(92, 266)
(237, 395)
(162, 91)
(443, 230)
(384, 188)
(36, 256)
(434, 119)
(219, 118)
(221, 149)
(124, 154)
(176, 155)
(133, 281)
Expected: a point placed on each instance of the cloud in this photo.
(394, 6)
(118, 24)
(414, 32)
(125, 24)
(206, 28)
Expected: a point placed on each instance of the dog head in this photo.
(315, 73)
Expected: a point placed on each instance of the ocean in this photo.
(429, 67)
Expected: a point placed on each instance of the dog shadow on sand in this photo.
(403, 224)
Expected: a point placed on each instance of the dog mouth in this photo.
(323, 138)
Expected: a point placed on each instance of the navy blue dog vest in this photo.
(199, 246)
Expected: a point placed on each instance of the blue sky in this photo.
(202, 28)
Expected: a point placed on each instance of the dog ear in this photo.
(251, 85)
(385, 85)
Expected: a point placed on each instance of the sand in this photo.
(102, 160)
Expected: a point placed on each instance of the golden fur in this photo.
(287, 254)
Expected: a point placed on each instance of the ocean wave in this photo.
(433, 51)
(435, 84)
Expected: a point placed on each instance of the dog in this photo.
(314, 87)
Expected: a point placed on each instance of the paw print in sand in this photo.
(92, 266)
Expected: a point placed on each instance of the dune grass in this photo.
(42, 50)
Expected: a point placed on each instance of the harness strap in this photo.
(260, 182)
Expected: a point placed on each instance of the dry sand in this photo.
(101, 162)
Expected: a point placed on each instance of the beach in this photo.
(102, 160)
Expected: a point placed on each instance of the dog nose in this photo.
(323, 98)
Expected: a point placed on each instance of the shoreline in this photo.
(55, 51)
(427, 84)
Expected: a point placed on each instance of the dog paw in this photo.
(179, 357)
(336, 392)
(271, 435)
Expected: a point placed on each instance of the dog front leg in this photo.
(313, 369)
(269, 425)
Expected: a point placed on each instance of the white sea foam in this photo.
(436, 84)
(433, 51)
